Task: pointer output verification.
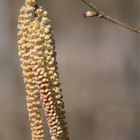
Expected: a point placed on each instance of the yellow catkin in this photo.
(38, 61)
(33, 99)
(45, 70)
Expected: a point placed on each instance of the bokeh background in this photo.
(99, 66)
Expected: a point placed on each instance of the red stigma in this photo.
(84, 15)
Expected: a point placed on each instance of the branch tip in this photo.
(97, 12)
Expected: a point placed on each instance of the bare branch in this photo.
(97, 12)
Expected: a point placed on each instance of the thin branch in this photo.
(101, 14)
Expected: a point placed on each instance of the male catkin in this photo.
(38, 61)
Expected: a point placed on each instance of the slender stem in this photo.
(101, 14)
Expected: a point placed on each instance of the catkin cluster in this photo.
(33, 99)
(38, 61)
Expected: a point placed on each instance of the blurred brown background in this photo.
(99, 71)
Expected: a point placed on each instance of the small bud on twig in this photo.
(97, 12)
(90, 14)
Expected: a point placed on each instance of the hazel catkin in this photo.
(38, 62)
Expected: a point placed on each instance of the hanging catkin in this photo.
(33, 101)
(38, 61)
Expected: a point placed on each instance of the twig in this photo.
(101, 14)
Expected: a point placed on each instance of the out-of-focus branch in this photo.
(97, 12)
